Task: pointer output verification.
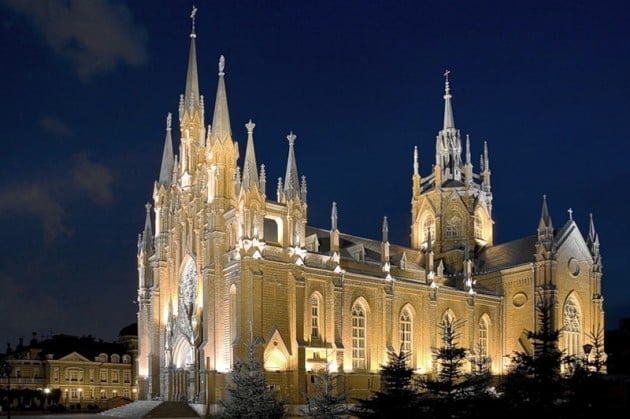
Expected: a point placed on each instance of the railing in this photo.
(22, 381)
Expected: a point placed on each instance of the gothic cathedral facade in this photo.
(221, 263)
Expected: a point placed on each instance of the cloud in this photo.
(36, 200)
(55, 126)
(45, 199)
(94, 35)
(93, 178)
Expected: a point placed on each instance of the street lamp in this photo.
(46, 393)
(5, 370)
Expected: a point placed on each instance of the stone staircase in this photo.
(155, 409)
(172, 410)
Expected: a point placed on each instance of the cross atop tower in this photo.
(192, 17)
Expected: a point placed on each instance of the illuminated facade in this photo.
(220, 262)
(83, 370)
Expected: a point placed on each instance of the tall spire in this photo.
(166, 170)
(545, 218)
(449, 121)
(221, 120)
(448, 147)
(592, 240)
(191, 95)
(291, 180)
(250, 171)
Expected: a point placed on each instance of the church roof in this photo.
(505, 255)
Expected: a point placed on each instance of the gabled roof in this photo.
(513, 253)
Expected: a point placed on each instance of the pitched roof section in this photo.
(513, 253)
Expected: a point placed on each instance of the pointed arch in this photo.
(572, 326)
(316, 315)
(406, 327)
(276, 355)
(427, 225)
(483, 336)
(359, 316)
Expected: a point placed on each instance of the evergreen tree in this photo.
(452, 392)
(397, 397)
(449, 381)
(326, 402)
(248, 394)
(535, 380)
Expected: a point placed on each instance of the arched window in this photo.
(478, 227)
(454, 227)
(406, 327)
(428, 225)
(482, 343)
(572, 328)
(358, 337)
(315, 316)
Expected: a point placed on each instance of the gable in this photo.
(74, 357)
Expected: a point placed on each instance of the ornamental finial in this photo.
(192, 17)
(446, 73)
(221, 65)
(291, 137)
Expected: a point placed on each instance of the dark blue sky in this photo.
(86, 86)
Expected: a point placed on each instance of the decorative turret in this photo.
(145, 251)
(592, 241)
(468, 167)
(291, 180)
(166, 170)
(250, 171)
(545, 228)
(191, 109)
(416, 180)
(448, 147)
(334, 231)
(485, 173)
(221, 129)
(385, 242)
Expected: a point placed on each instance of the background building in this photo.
(220, 263)
(82, 370)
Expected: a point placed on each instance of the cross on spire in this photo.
(570, 211)
(192, 17)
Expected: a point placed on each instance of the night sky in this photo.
(87, 85)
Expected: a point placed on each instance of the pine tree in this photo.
(248, 394)
(535, 380)
(450, 357)
(327, 402)
(398, 395)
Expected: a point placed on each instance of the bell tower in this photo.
(452, 206)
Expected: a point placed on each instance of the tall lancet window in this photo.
(358, 337)
(428, 226)
(478, 220)
(482, 343)
(406, 327)
(572, 328)
(314, 316)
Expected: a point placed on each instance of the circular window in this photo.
(519, 299)
(574, 266)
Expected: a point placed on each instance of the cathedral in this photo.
(221, 263)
